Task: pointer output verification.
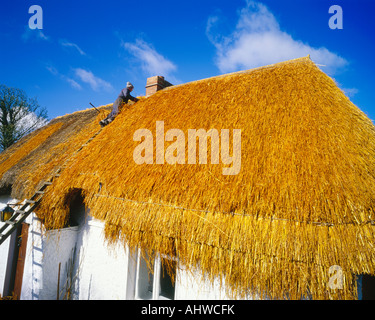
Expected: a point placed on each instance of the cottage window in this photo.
(154, 277)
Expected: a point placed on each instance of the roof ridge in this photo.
(81, 111)
(307, 58)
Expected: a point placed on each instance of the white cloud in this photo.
(258, 40)
(152, 62)
(53, 70)
(85, 76)
(74, 84)
(66, 43)
(29, 121)
(42, 36)
(34, 34)
(95, 82)
(350, 92)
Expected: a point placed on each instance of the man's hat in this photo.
(129, 85)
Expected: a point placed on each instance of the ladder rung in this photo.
(37, 194)
(10, 222)
(47, 183)
(30, 201)
(21, 211)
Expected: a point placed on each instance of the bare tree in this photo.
(19, 115)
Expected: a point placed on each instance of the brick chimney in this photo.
(156, 83)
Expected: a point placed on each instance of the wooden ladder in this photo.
(30, 204)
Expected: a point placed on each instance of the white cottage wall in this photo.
(45, 251)
(102, 270)
(5, 253)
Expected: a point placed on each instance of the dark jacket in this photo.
(124, 96)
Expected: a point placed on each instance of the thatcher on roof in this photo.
(123, 97)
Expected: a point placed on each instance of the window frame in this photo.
(156, 280)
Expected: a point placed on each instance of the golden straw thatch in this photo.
(302, 202)
(26, 163)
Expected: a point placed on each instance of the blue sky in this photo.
(88, 50)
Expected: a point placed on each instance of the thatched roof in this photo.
(302, 202)
(45, 149)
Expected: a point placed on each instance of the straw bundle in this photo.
(302, 202)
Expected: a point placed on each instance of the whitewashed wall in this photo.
(4, 250)
(45, 250)
(100, 271)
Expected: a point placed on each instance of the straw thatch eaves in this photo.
(302, 202)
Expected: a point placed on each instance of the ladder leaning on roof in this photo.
(30, 204)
